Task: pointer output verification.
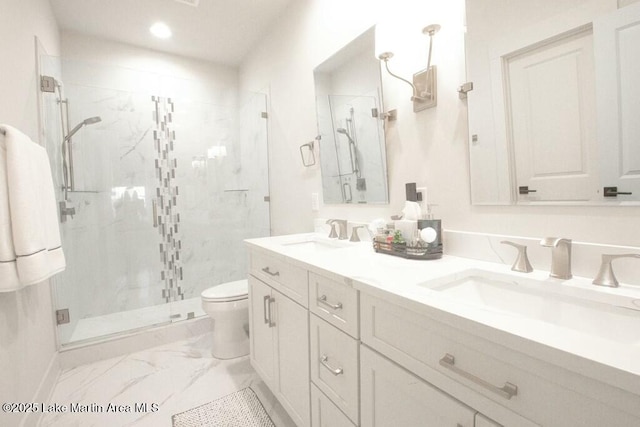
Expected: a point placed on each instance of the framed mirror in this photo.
(551, 114)
(353, 158)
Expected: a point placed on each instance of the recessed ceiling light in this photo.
(160, 30)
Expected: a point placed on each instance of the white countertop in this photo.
(402, 282)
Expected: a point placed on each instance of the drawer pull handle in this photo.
(266, 270)
(335, 371)
(507, 391)
(323, 300)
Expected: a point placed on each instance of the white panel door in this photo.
(617, 54)
(391, 396)
(551, 107)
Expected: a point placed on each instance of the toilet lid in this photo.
(230, 291)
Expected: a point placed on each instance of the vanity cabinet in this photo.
(279, 343)
(336, 356)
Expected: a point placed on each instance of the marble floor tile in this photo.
(169, 379)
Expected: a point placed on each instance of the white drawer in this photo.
(334, 302)
(486, 376)
(324, 413)
(287, 278)
(392, 396)
(334, 365)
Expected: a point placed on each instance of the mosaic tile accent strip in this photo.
(166, 199)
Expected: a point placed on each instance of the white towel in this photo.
(30, 248)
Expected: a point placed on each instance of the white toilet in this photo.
(228, 305)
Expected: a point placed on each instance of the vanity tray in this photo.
(406, 251)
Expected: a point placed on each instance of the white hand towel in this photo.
(30, 248)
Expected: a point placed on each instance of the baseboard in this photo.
(44, 390)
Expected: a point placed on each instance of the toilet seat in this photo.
(227, 292)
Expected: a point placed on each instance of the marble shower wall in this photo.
(112, 248)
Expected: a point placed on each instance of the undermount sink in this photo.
(313, 243)
(608, 316)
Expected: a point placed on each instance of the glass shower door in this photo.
(167, 184)
(222, 176)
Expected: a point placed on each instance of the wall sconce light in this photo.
(425, 84)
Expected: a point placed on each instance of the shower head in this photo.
(345, 133)
(86, 122)
(92, 120)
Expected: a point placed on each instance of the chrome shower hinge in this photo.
(47, 84)
(62, 316)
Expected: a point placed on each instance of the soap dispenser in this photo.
(429, 229)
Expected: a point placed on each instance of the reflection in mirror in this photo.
(550, 116)
(350, 125)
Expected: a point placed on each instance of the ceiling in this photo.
(222, 31)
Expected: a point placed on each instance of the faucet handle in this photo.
(354, 233)
(333, 233)
(605, 275)
(521, 263)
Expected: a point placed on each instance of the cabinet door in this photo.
(616, 39)
(261, 332)
(391, 396)
(292, 329)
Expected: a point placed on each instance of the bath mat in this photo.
(239, 409)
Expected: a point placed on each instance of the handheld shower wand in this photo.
(67, 173)
(353, 151)
(89, 121)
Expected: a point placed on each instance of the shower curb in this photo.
(83, 353)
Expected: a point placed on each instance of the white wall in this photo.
(429, 147)
(27, 337)
(97, 51)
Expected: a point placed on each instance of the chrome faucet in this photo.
(342, 225)
(521, 263)
(605, 276)
(560, 256)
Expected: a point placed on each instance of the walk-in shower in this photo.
(161, 180)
